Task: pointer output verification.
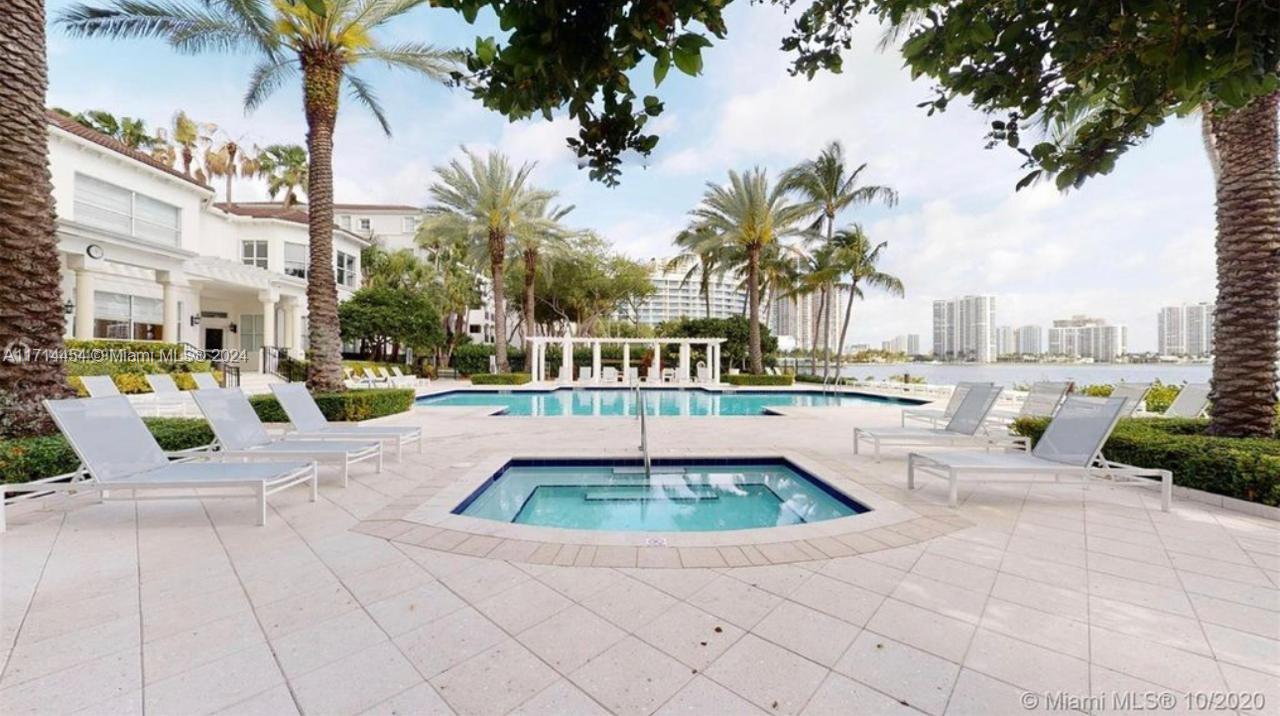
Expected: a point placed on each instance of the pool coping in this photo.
(427, 520)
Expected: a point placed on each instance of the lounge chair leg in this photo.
(1166, 491)
(262, 504)
(399, 449)
(346, 471)
(911, 471)
(954, 498)
(315, 483)
(379, 458)
(419, 443)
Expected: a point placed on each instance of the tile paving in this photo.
(343, 607)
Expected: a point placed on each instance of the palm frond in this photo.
(418, 57)
(266, 78)
(186, 26)
(363, 94)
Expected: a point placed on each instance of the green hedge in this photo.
(1158, 398)
(473, 358)
(752, 379)
(500, 378)
(1243, 468)
(349, 405)
(27, 459)
(130, 375)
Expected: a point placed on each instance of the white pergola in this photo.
(536, 354)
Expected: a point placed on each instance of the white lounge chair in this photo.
(1133, 394)
(99, 386)
(964, 427)
(1070, 446)
(584, 374)
(410, 381)
(1191, 402)
(166, 398)
(704, 373)
(118, 453)
(653, 375)
(238, 428)
(934, 416)
(1042, 401)
(310, 423)
(608, 374)
(668, 375)
(403, 381)
(205, 381)
(374, 380)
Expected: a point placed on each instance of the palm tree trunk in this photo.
(844, 327)
(497, 263)
(826, 331)
(1248, 241)
(530, 275)
(32, 318)
(322, 76)
(753, 320)
(813, 339)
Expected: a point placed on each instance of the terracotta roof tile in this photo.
(260, 210)
(70, 125)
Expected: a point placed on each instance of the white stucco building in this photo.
(147, 254)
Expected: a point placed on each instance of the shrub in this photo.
(26, 459)
(1157, 401)
(473, 358)
(752, 379)
(500, 378)
(349, 405)
(1243, 468)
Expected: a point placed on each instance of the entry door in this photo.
(251, 340)
(213, 339)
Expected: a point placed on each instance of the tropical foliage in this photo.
(285, 168)
(324, 42)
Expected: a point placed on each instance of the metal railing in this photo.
(277, 361)
(644, 431)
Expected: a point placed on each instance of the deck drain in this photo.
(655, 542)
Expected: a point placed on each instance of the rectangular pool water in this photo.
(658, 402)
(686, 495)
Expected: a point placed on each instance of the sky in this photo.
(1119, 248)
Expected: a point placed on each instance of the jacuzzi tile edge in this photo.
(428, 524)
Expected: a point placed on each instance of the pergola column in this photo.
(626, 362)
(715, 363)
(684, 363)
(84, 304)
(566, 358)
(657, 360)
(595, 361)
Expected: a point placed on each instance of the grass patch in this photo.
(500, 378)
(751, 379)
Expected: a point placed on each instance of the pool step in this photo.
(655, 470)
(645, 494)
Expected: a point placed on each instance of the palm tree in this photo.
(484, 202)
(188, 134)
(286, 169)
(228, 159)
(128, 131)
(541, 232)
(816, 275)
(743, 219)
(321, 39)
(856, 261)
(32, 319)
(694, 261)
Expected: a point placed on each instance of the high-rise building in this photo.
(1006, 344)
(908, 343)
(1085, 337)
(675, 297)
(1185, 330)
(795, 320)
(1030, 340)
(964, 329)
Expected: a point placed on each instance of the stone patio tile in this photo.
(1241, 680)
(754, 556)
(409, 610)
(861, 542)
(782, 552)
(560, 699)
(1131, 569)
(567, 555)
(900, 558)
(614, 556)
(514, 550)
(701, 557)
(1244, 649)
(1151, 624)
(629, 603)
(966, 551)
(1142, 594)
(1260, 597)
(274, 701)
(1026, 665)
(422, 700)
(922, 629)
(185, 650)
(448, 641)
(387, 581)
(862, 572)
(1247, 574)
(842, 696)
(578, 584)
(703, 696)
(960, 574)
(495, 681)
(738, 602)
(487, 578)
(632, 677)
(901, 671)
(679, 583)
(326, 642)
(1064, 603)
(1237, 616)
(780, 579)
(356, 682)
(1049, 572)
(691, 635)
(215, 685)
(569, 639)
(980, 695)
(733, 556)
(523, 605)
(1164, 665)
(545, 553)
(586, 556)
(658, 557)
(290, 615)
(838, 599)
(1037, 627)
(98, 682)
(31, 660)
(807, 632)
(952, 601)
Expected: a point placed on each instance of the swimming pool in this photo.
(658, 402)
(680, 495)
